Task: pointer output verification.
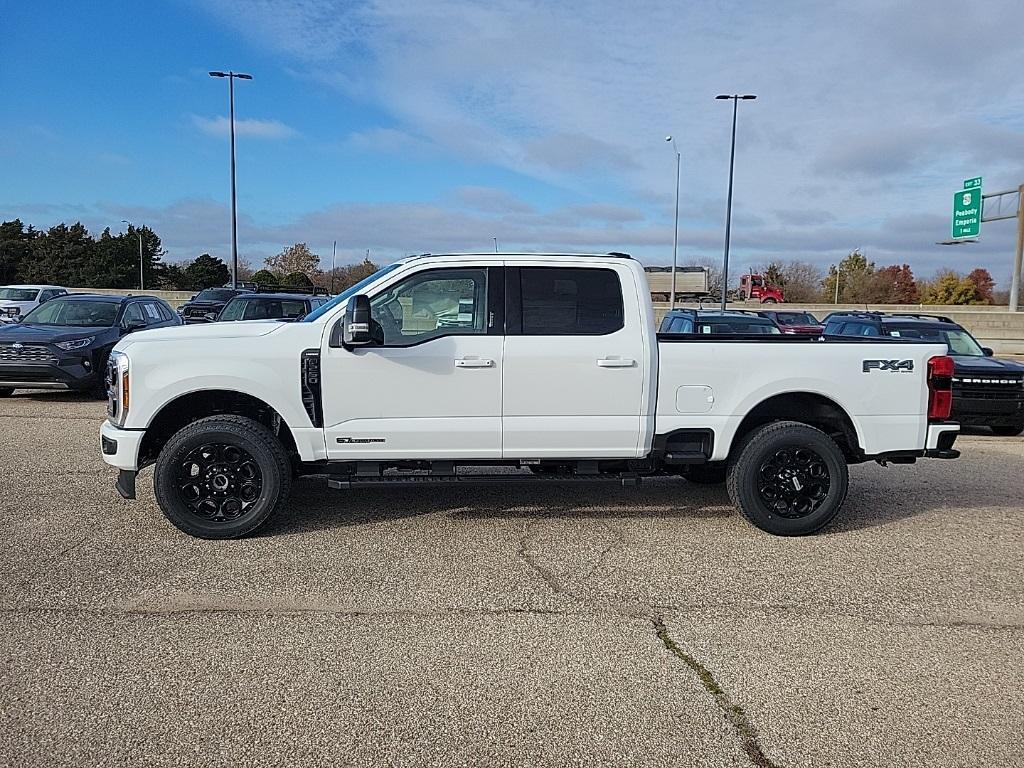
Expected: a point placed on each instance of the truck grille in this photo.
(988, 387)
(26, 353)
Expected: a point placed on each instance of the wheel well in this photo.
(185, 409)
(807, 408)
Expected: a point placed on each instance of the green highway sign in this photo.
(974, 183)
(967, 213)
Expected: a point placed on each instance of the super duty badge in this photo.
(890, 366)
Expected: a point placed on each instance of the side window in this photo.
(570, 301)
(680, 325)
(432, 304)
(133, 314)
(152, 313)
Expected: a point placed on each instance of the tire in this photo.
(247, 470)
(706, 474)
(1007, 430)
(768, 301)
(6, 391)
(771, 458)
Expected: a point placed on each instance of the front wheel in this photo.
(768, 301)
(788, 478)
(1007, 430)
(222, 477)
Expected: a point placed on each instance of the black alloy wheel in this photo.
(793, 482)
(222, 477)
(219, 482)
(788, 478)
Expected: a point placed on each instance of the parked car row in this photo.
(987, 391)
(64, 342)
(52, 339)
(254, 302)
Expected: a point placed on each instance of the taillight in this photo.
(940, 388)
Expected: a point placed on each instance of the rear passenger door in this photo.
(573, 377)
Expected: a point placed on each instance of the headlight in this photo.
(76, 344)
(118, 389)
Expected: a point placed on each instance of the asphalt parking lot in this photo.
(528, 626)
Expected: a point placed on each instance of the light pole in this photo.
(838, 272)
(675, 232)
(334, 259)
(231, 76)
(495, 244)
(139, 233)
(736, 98)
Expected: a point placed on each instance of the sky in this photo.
(407, 127)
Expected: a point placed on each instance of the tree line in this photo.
(72, 256)
(856, 280)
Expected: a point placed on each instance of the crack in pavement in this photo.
(733, 712)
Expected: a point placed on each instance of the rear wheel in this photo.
(6, 391)
(769, 301)
(1008, 430)
(788, 478)
(222, 477)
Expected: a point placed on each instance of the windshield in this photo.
(18, 294)
(86, 314)
(252, 308)
(214, 294)
(957, 340)
(350, 291)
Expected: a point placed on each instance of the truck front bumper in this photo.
(120, 449)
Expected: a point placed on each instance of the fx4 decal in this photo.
(892, 366)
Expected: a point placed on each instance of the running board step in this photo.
(346, 482)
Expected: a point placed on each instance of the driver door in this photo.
(432, 388)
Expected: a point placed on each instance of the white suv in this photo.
(16, 301)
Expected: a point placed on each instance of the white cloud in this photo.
(257, 129)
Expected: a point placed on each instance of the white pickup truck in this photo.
(440, 364)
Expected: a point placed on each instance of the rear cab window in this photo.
(573, 301)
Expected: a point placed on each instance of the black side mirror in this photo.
(211, 317)
(987, 351)
(357, 326)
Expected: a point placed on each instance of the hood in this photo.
(243, 330)
(972, 364)
(48, 334)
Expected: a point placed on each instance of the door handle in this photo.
(616, 362)
(473, 362)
